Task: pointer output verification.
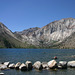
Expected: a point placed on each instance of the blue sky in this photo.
(18, 15)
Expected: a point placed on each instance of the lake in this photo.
(22, 55)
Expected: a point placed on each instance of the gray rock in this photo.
(17, 65)
(23, 67)
(1, 73)
(38, 65)
(62, 65)
(29, 65)
(54, 31)
(52, 64)
(11, 66)
(73, 56)
(6, 63)
(71, 64)
(2, 67)
(45, 65)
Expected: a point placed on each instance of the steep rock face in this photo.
(25, 35)
(27, 32)
(4, 29)
(55, 31)
(69, 42)
(8, 39)
(52, 34)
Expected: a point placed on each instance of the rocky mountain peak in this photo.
(2, 25)
(27, 32)
(54, 31)
(5, 30)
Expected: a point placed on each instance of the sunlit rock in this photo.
(11, 66)
(23, 67)
(17, 65)
(52, 64)
(62, 65)
(29, 65)
(38, 65)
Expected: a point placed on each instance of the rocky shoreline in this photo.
(27, 66)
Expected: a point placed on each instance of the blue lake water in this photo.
(22, 55)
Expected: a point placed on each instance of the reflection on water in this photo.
(22, 55)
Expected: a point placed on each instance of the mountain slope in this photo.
(52, 33)
(24, 35)
(8, 39)
(57, 34)
(27, 32)
(68, 42)
(57, 30)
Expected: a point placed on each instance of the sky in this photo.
(18, 15)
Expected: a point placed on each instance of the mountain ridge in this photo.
(57, 30)
(8, 39)
(52, 34)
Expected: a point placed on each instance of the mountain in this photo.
(57, 34)
(24, 35)
(53, 33)
(68, 43)
(27, 32)
(8, 39)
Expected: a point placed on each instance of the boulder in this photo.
(62, 65)
(29, 65)
(52, 64)
(11, 66)
(23, 67)
(38, 65)
(73, 56)
(17, 65)
(45, 65)
(3, 67)
(71, 64)
(1, 73)
(6, 63)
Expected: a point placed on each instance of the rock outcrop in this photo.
(11, 66)
(54, 32)
(29, 65)
(38, 65)
(23, 67)
(6, 63)
(3, 67)
(62, 65)
(45, 65)
(71, 64)
(17, 65)
(52, 64)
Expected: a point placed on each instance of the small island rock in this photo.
(62, 65)
(71, 64)
(6, 63)
(23, 67)
(29, 65)
(45, 65)
(17, 65)
(38, 65)
(12, 66)
(3, 67)
(52, 64)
